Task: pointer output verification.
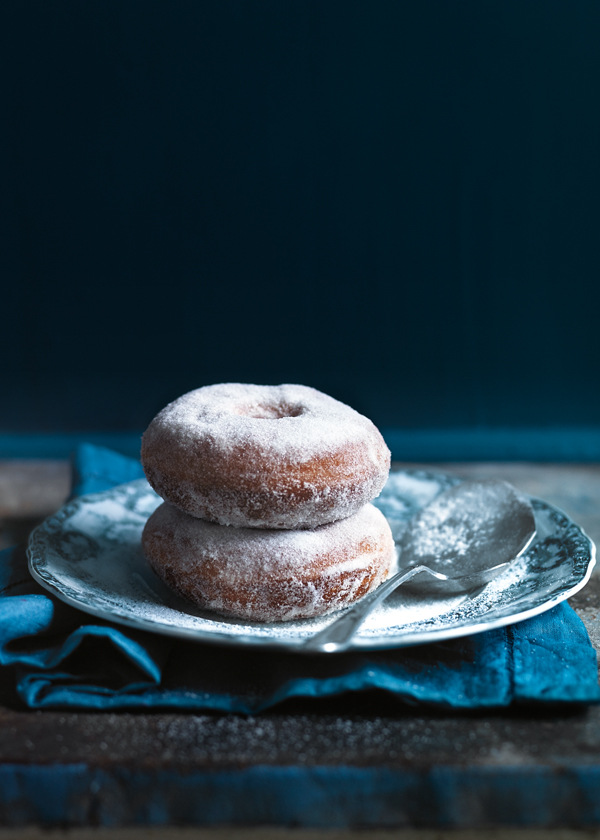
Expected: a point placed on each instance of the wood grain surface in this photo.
(112, 762)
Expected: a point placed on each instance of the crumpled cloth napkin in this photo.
(63, 657)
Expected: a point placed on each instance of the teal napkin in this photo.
(63, 657)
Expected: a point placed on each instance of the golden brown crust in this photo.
(269, 575)
(209, 455)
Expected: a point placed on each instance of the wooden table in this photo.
(360, 761)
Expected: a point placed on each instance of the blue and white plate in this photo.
(89, 554)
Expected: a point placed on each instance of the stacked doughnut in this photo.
(267, 488)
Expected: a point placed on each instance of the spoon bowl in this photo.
(459, 542)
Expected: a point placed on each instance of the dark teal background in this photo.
(396, 202)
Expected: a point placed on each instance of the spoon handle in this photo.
(338, 635)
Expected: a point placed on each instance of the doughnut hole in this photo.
(268, 410)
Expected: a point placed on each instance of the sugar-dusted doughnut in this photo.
(259, 456)
(270, 575)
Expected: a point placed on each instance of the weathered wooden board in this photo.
(356, 761)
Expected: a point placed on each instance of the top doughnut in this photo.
(261, 456)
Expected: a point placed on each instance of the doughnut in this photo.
(260, 456)
(272, 575)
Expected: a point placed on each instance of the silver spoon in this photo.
(459, 542)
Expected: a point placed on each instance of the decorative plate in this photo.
(89, 555)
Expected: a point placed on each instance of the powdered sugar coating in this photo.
(260, 456)
(269, 575)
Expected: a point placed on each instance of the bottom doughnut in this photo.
(269, 575)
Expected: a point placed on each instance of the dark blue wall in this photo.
(396, 202)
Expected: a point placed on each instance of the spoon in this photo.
(459, 542)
